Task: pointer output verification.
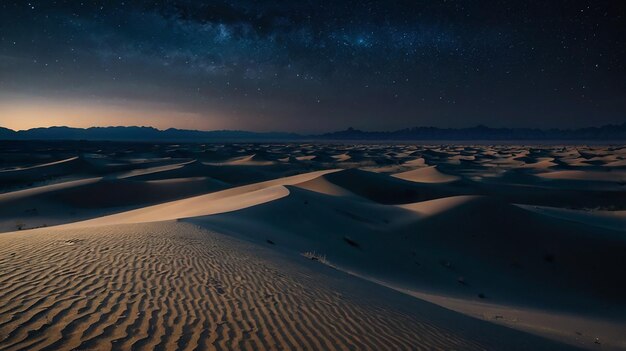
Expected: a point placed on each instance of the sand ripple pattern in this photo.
(173, 286)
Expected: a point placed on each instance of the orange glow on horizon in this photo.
(21, 114)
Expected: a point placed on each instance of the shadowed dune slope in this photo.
(93, 197)
(234, 174)
(513, 188)
(498, 249)
(71, 166)
(386, 189)
(475, 254)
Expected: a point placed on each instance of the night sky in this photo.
(310, 66)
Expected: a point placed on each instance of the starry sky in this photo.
(312, 66)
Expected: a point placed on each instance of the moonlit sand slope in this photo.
(170, 286)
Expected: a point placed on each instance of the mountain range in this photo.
(133, 133)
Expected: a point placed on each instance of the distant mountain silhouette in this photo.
(604, 133)
(137, 134)
(608, 132)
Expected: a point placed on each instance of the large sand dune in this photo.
(217, 202)
(447, 247)
(316, 247)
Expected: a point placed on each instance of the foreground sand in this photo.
(173, 285)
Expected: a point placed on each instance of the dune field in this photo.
(138, 246)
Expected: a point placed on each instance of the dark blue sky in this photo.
(312, 65)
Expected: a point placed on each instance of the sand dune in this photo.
(614, 176)
(217, 202)
(174, 286)
(229, 173)
(426, 175)
(29, 208)
(92, 197)
(418, 162)
(454, 252)
(254, 160)
(322, 185)
(614, 220)
(307, 246)
(386, 189)
(152, 170)
(540, 164)
(437, 206)
(44, 165)
(389, 243)
(27, 176)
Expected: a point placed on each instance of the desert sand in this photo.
(314, 246)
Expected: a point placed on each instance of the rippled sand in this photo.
(175, 286)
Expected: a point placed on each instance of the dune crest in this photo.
(426, 175)
(203, 205)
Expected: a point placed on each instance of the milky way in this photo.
(316, 65)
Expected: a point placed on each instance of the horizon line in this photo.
(350, 128)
